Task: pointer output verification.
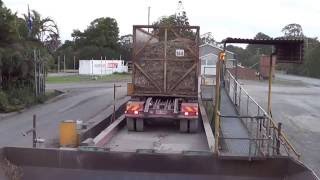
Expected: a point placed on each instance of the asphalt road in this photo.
(295, 103)
(80, 102)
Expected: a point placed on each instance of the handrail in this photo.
(282, 137)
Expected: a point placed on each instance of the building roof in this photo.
(206, 44)
(208, 55)
(269, 41)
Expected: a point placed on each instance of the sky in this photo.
(224, 18)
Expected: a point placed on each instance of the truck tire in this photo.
(193, 126)
(139, 125)
(130, 124)
(183, 125)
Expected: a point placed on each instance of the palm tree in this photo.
(44, 30)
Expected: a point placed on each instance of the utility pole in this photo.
(35, 73)
(39, 75)
(64, 63)
(58, 64)
(74, 63)
(105, 65)
(149, 7)
(101, 67)
(149, 16)
(34, 131)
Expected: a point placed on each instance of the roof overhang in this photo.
(286, 50)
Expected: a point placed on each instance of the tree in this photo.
(44, 30)
(312, 62)
(102, 32)
(8, 32)
(257, 49)
(207, 38)
(100, 39)
(172, 21)
(242, 55)
(292, 31)
(250, 56)
(126, 46)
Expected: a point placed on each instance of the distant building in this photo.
(264, 66)
(101, 67)
(209, 56)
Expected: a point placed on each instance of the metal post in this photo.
(74, 63)
(44, 78)
(39, 74)
(58, 64)
(217, 95)
(239, 105)
(35, 73)
(165, 61)
(92, 68)
(270, 83)
(268, 136)
(236, 78)
(114, 103)
(279, 136)
(105, 65)
(64, 63)
(149, 16)
(101, 67)
(250, 137)
(34, 132)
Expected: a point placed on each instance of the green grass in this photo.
(82, 78)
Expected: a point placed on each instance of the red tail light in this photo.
(134, 107)
(189, 109)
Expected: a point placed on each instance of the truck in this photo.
(164, 77)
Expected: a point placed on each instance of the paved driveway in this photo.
(80, 102)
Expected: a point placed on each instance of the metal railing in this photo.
(265, 136)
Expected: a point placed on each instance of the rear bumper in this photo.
(161, 116)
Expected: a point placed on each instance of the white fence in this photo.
(101, 67)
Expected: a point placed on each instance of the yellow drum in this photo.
(68, 133)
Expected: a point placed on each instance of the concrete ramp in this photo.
(73, 164)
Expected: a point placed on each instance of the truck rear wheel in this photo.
(193, 126)
(183, 125)
(131, 124)
(139, 125)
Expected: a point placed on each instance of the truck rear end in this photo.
(165, 76)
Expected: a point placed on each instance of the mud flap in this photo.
(139, 125)
(183, 125)
(131, 124)
(193, 125)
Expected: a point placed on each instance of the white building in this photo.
(208, 55)
(101, 67)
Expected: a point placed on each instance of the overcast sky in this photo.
(224, 18)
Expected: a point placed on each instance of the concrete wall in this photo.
(245, 73)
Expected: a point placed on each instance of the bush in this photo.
(21, 96)
(3, 101)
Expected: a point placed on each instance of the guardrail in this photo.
(264, 133)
